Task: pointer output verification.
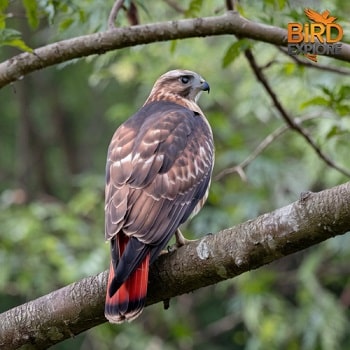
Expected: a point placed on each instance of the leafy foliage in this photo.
(31, 8)
(12, 37)
(194, 8)
(234, 51)
(55, 129)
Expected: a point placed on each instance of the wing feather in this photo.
(158, 169)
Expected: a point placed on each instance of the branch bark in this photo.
(73, 309)
(231, 23)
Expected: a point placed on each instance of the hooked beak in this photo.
(205, 86)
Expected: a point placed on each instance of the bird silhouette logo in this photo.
(319, 17)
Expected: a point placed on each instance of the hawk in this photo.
(158, 173)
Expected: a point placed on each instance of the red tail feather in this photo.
(129, 300)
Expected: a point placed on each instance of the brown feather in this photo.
(158, 171)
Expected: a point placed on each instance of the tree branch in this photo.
(301, 61)
(231, 23)
(75, 308)
(288, 118)
(267, 141)
(118, 4)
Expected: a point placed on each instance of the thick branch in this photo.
(71, 310)
(230, 23)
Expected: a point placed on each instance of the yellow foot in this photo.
(180, 241)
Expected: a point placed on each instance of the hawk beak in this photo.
(205, 86)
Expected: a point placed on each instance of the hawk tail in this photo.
(128, 301)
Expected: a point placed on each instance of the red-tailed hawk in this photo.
(158, 172)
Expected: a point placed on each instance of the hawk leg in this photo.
(181, 240)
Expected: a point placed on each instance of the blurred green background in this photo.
(55, 128)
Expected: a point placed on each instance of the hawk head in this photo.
(177, 86)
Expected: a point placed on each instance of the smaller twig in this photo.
(285, 115)
(303, 62)
(259, 149)
(270, 64)
(118, 4)
(267, 141)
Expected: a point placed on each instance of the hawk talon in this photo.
(166, 304)
(170, 248)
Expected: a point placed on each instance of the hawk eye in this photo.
(185, 79)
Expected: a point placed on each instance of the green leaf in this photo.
(289, 68)
(7, 34)
(11, 37)
(18, 43)
(282, 4)
(234, 51)
(276, 4)
(66, 23)
(334, 131)
(173, 46)
(3, 5)
(2, 21)
(344, 92)
(326, 91)
(194, 8)
(31, 7)
(318, 100)
(343, 110)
